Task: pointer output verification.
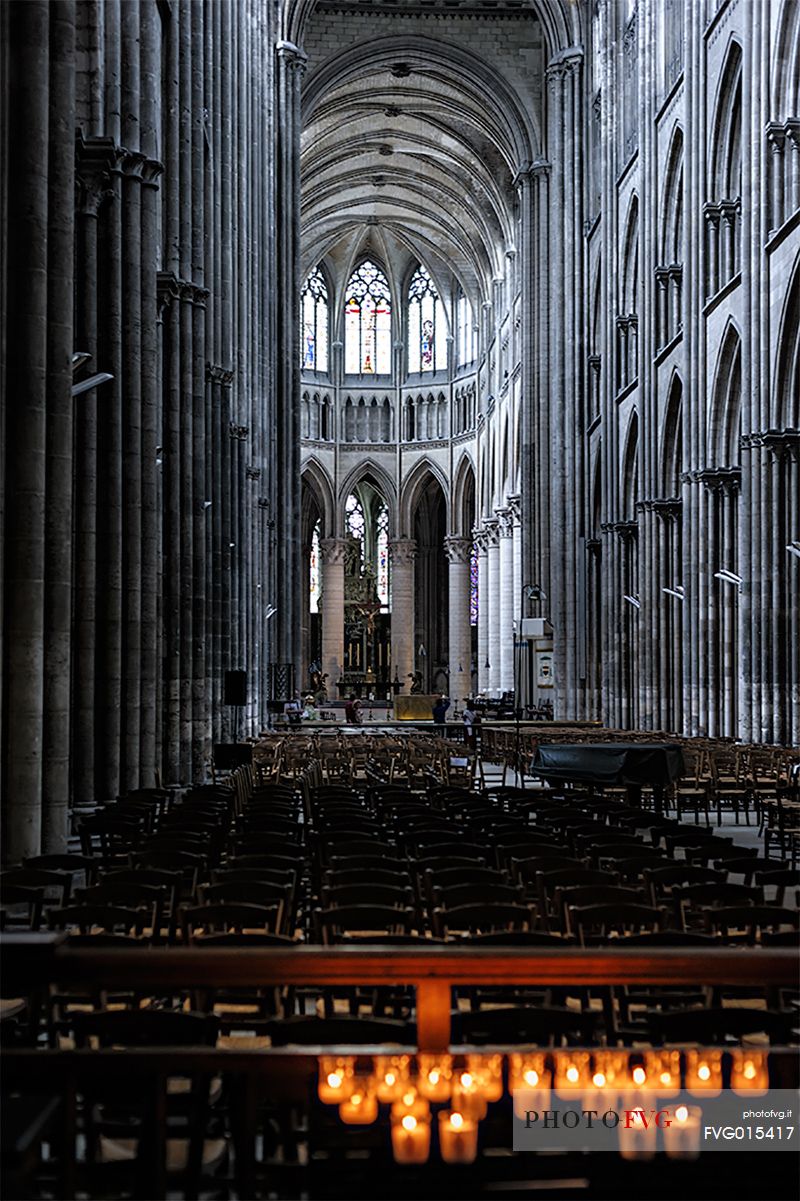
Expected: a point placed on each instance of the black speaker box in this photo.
(235, 688)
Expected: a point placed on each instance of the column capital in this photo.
(333, 551)
(94, 160)
(295, 58)
(505, 522)
(457, 549)
(491, 531)
(515, 508)
(403, 551)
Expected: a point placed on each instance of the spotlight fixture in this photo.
(92, 382)
(632, 600)
(677, 592)
(794, 548)
(729, 577)
(534, 592)
(270, 611)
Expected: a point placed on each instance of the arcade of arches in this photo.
(413, 320)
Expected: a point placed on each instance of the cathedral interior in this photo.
(358, 353)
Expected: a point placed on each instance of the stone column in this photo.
(291, 65)
(332, 552)
(493, 614)
(505, 530)
(483, 609)
(567, 365)
(402, 553)
(459, 640)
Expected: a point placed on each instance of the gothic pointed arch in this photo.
(463, 510)
(726, 402)
(415, 484)
(672, 440)
(630, 469)
(786, 63)
(725, 167)
(672, 203)
(786, 403)
(368, 469)
(316, 488)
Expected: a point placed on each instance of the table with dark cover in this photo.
(607, 763)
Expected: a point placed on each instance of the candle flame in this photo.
(531, 1078)
(681, 1113)
(665, 1078)
(749, 1070)
(408, 1099)
(409, 1122)
(572, 1075)
(704, 1072)
(466, 1080)
(335, 1080)
(356, 1099)
(390, 1078)
(639, 1075)
(433, 1077)
(598, 1080)
(456, 1121)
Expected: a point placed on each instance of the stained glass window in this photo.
(465, 331)
(314, 323)
(427, 349)
(473, 586)
(354, 517)
(368, 322)
(313, 573)
(382, 541)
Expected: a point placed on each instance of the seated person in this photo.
(352, 710)
(293, 710)
(310, 711)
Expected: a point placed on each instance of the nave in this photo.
(362, 928)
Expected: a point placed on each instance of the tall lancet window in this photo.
(427, 349)
(368, 322)
(313, 571)
(465, 331)
(314, 323)
(382, 531)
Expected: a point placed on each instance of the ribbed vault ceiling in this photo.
(420, 141)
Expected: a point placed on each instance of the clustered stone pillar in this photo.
(505, 531)
(402, 552)
(163, 272)
(459, 646)
(38, 432)
(566, 370)
(493, 616)
(332, 551)
(483, 609)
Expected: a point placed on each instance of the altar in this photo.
(417, 707)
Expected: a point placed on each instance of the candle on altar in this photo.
(682, 1136)
(411, 1103)
(749, 1073)
(411, 1139)
(434, 1077)
(467, 1098)
(361, 1107)
(488, 1072)
(571, 1073)
(391, 1075)
(335, 1078)
(637, 1131)
(704, 1073)
(664, 1072)
(458, 1137)
(528, 1077)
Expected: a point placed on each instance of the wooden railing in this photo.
(34, 961)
